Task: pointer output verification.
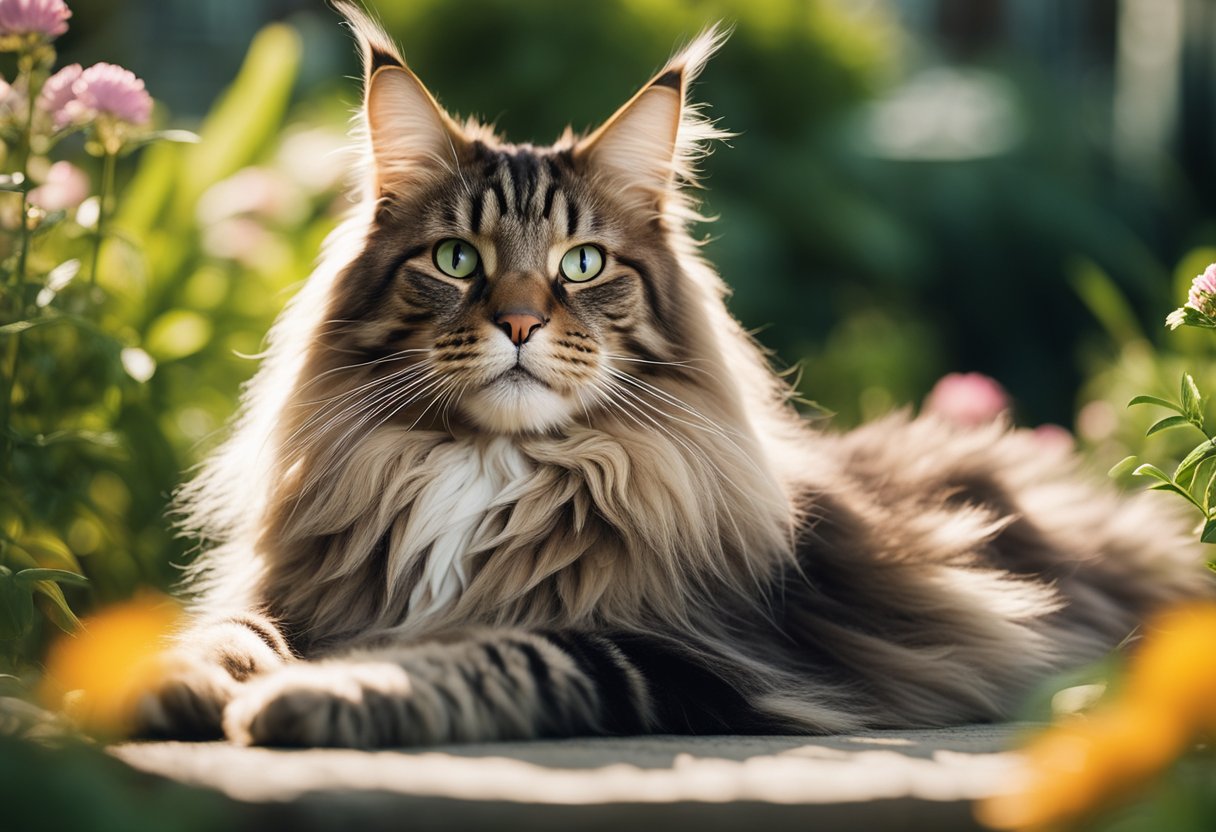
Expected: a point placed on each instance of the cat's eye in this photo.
(582, 263)
(456, 258)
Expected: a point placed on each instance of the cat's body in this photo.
(511, 470)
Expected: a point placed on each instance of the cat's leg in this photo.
(491, 685)
(203, 671)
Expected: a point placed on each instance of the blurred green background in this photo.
(1017, 187)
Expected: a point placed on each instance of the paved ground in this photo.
(881, 780)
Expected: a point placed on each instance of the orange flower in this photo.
(1084, 763)
(96, 673)
(1175, 668)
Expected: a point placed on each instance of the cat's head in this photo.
(520, 287)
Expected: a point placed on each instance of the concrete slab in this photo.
(876, 780)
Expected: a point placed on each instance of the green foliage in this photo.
(1194, 478)
(102, 397)
(1186, 480)
(78, 787)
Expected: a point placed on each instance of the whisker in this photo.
(678, 403)
(387, 382)
(366, 384)
(342, 451)
(683, 365)
(380, 360)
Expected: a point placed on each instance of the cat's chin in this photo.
(517, 404)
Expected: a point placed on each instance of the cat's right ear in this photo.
(411, 136)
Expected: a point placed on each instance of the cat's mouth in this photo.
(518, 374)
(517, 401)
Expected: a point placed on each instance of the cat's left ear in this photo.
(411, 136)
(651, 145)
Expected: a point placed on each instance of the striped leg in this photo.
(204, 670)
(491, 685)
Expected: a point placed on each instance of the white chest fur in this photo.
(466, 479)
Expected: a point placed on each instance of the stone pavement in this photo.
(900, 780)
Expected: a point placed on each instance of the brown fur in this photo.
(404, 484)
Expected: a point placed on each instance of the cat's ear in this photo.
(652, 143)
(411, 135)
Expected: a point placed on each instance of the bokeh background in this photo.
(1019, 188)
(1022, 188)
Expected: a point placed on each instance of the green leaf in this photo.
(26, 577)
(175, 136)
(102, 439)
(1207, 489)
(1167, 423)
(1157, 401)
(16, 607)
(48, 222)
(1121, 467)
(248, 115)
(1181, 492)
(1202, 451)
(11, 685)
(17, 326)
(1105, 301)
(1147, 470)
(58, 611)
(1192, 402)
(42, 549)
(1209, 532)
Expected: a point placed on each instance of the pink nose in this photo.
(518, 326)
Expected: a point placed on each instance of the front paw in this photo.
(186, 703)
(322, 705)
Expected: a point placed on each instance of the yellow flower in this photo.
(97, 673)
(1086, 762)
(1175, 668)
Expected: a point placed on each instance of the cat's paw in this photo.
(345, 705)
(186, 702)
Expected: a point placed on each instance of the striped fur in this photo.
(424, 529)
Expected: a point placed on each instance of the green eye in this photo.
(456, 258)
(582, 263)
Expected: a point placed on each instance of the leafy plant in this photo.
(1194, 478)
(63, 374)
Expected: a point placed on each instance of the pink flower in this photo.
(57, 93)
(967, 399)
(1202, 296)
(66, 186)
(47, 19)
(1054, 439)
(108, 90)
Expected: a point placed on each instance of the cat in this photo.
(510, 469)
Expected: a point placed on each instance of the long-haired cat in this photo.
(511, 470)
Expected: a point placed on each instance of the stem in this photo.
(27, 64)
(103, 209)
(27, 147)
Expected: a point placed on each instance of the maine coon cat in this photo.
(510, 469)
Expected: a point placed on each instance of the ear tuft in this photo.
(411, 136)
(651, 145)
(376, 47)
(691, 60)
(673, 78)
